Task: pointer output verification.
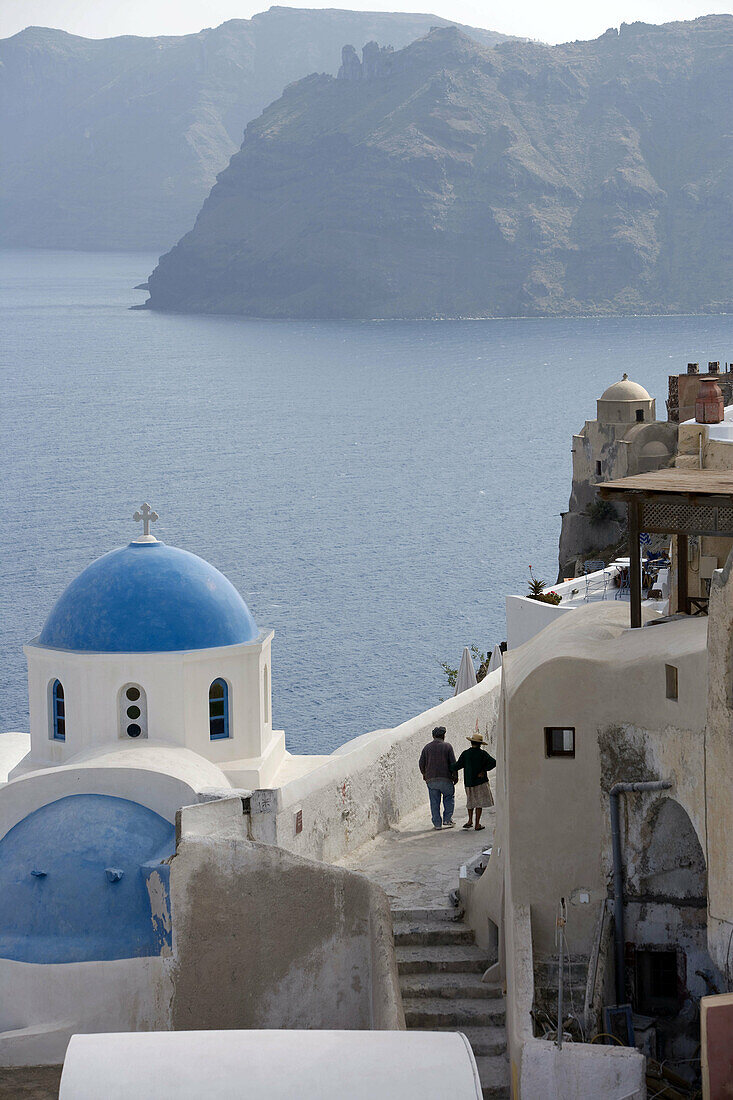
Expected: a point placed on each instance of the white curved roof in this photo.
(320, 1065)
(625, 390)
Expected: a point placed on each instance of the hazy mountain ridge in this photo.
(115, 143)
(459, 181)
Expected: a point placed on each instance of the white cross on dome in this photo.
(148, 516)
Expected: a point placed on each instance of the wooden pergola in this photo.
(672, 502)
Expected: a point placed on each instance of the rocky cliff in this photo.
(449, 180)
(115, 143)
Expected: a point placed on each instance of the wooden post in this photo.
(634, 514)
(682, 600)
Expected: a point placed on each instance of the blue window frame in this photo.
(58, 710)
(219, 710)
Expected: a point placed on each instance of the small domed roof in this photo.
(148, 598)
(625, 390)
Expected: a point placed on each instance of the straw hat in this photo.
(476, 738)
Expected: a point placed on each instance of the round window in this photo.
(133, 712)
(134, 730)
(133, 693)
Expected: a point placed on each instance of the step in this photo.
(494, 1076)
(402, 916)
(432, 933)
(545, 972)
(447, 985)
(458, 959)
(484, 1041)
(432, 1012)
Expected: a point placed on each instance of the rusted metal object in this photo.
(709, 407)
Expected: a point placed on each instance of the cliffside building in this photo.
(590, 708)
(625, 438)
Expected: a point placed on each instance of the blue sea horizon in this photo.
(373, 489)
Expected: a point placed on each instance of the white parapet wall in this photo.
(525, 618)
(369, 783)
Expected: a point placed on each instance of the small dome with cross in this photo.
(148, 598)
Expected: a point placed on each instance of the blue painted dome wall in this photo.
(74, 908)
(148, 598)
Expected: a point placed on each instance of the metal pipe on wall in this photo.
(618, 877)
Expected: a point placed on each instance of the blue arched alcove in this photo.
(73, 882)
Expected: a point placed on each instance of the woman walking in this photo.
(476, 764)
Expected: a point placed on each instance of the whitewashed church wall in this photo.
(176, 687)
(157, 790)
(359, 793)
(42, 1006)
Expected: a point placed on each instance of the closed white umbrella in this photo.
(466, 677)
(496, 659)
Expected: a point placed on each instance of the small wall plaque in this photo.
(299, 822)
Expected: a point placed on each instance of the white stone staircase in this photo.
(440, 968)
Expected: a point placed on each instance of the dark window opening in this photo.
(559, 740)
(670, 672)
(218, 710)
(58, 711)
(599, 468)
(657, 986)
(640, 415)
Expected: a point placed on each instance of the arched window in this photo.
(58, 711)
(266, 693)
(219, 710)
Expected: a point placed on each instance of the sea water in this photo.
(373, 490)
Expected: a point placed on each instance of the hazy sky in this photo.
(551, 22)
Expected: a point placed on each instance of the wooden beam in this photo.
(634, 513)
(682, 601)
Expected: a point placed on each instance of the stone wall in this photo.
(263, 938)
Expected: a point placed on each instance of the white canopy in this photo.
(496, 659)
(466, 677)
(281, 1065)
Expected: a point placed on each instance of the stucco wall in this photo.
(593, 673)
(365, 787)
(719, 770)
(580, 1070)
(263, 938)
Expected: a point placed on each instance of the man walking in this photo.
(437, 764)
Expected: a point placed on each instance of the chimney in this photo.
(714, 368)
(692, 368)
(709, 406)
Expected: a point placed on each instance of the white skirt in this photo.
(479, 797)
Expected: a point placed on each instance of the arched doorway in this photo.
(668, 965)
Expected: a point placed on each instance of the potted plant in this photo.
(537, 590)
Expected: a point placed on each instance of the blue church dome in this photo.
(148, 598)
